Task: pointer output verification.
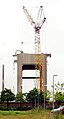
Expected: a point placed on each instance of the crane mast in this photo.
(38, 56)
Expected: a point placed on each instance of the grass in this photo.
(31, 114)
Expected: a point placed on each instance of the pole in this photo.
(35, 94)
(38, 99)
(44, 98)
(2, 77)
(53, 92)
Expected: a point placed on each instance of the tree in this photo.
(41, 97)
(20, 97)
(32, 96)
(59, 87)
(38, 97)
(59, 93)
(7, 95)
(47, 95)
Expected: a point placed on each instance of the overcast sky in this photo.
(15, 28)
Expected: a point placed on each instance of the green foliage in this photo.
(32, 95)
(59, 92)
(47, 96)
(41, 97)
(20, 97)
(59, 97)
(59, 87)
(7, 95)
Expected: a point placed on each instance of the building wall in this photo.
(25, 58)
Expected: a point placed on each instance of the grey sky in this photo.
(15, 28)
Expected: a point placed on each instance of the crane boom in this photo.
(38, 20)
(29, 16)
(42, 22)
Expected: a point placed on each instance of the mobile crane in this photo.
(38, 55)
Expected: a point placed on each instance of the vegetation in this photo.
(7, 95)
(33, 96)
(32, 114)
(19, 97)
(59, 93)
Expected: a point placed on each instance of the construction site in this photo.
(36, 61)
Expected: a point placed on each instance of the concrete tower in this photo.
(25, 61)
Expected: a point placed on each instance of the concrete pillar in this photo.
(27, 60)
